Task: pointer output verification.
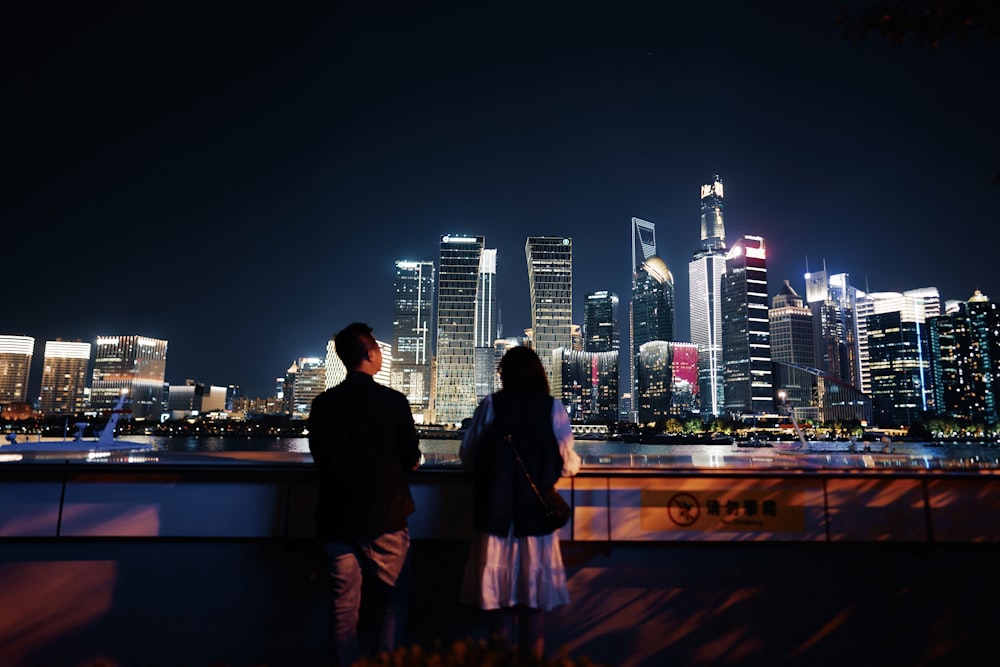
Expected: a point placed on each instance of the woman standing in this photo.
(515, 568)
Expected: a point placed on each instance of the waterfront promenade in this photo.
(207, 559)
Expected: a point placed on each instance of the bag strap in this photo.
(527, 476)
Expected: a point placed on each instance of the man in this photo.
(364, 443)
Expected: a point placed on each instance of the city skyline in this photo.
(246, 195)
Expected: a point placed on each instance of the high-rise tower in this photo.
(746, 347)
(600, 322)
(412, 332)
(652, 317)
(487, 324)
(550, 283)
(64, 376)
(705, 297)
(136, 364)
(15, 366)
(793, 350)
(458, 279)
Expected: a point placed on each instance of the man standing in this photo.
(363, 440)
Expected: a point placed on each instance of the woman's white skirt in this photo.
(508, 571)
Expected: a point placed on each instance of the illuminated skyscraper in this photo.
(793, 350)
(600, 322)
(652, 317)
(136, 364)
(902, 386)
(746, 346)
(550, 283)
(458, 280)
(965, 357)
(412, 332)
(15, 367)
(667, 380)
(833, 302)
(705, 297)
(64, 376)
(487, 324)
(308, 376)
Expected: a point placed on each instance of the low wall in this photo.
(214, 564)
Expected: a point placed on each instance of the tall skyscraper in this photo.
(705, 297)
(652, 317)
(458, 280)
(833, 302)
(64, 376)
(793, 350)
(965, 358)
(746, 346)
(136, 364)
(15, 367)
(412, 332)
(898, 345)
(600, 322)
(550, 284)
(309, 381)
(487, 324)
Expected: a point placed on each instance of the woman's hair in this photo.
(522, 370)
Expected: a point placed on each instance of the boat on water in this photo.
(104, 442)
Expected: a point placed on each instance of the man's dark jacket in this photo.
(363, 440)
(502, 494)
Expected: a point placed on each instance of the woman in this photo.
(515, 568)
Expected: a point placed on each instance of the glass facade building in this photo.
(550, 286)
(965, 353)
(601, 331)
(15, 368)
(487, 325)
(136, 364)
(587, 384)
(705, 297)
(64, 377)
(652, 317)
(455, 374)
(667, 380)
(793, 351)
(413, 332)
(746, 343)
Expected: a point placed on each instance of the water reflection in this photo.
(907, 456)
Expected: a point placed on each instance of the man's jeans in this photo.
(368, 584)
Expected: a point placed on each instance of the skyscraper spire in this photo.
(713, 229)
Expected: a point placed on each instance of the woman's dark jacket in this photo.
(363, 440)
(501, 493)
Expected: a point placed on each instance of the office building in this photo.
(64, 377)
(667, 381)
(643, 248)
(133, 364)
(901, 378)
(15, 367)
(412, 332)
(833, 302)
(587, 384)
(705, 298)
(487, 324)
(308, 380)
(746, 345)
(600, 322)
(652, 318)
(455, 369)
(793, 352)
(965, 361)
(550, 286)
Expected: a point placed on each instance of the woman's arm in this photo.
(482, 418)
(564, 434)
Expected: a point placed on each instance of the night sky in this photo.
(239, 178)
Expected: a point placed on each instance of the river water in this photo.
(634, 455)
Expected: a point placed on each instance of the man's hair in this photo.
(353, 342)
(522, 370)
